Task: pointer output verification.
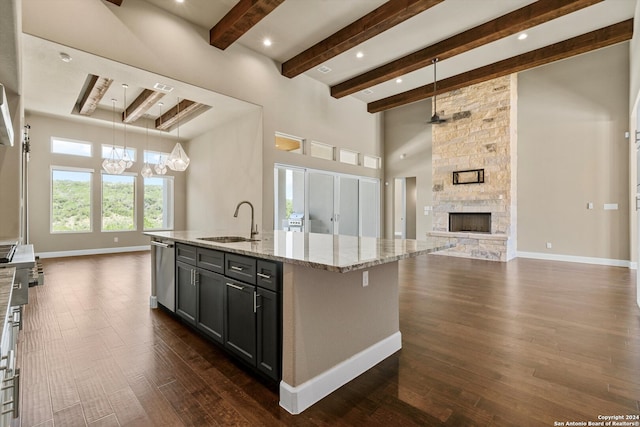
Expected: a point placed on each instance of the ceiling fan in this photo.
(435, 119)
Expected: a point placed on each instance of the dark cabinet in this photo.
(186, 293)
(235, 300)
(268, 333)
(211, 304)
(240, 320)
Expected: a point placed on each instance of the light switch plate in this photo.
(610, 206)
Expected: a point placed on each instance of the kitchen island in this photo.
(339, 303)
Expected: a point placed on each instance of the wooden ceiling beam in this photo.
(141, 105)
(603, 37)
(506, 25)
(244, 15)
(188, 110)
(116, 2)
(92, 92)
(381, 19)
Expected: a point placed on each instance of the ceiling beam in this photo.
(506, 25)
(603, 37)
(92, 92)
(188, 110)
(116, 2)
(244, 15)
(141, 105)
(381, 19)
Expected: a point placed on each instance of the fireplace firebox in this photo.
(474, 222)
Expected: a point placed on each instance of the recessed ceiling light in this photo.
(65, 57)
(523, 36)
(398, 80)
(266, 42)
(359, 55)
(179, 1)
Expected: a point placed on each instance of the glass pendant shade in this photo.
(112, 164)
(146, 171)
(161, 167)
(126, 161)
(178, 159)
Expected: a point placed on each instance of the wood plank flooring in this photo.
(525, 343)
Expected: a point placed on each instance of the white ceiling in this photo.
(52, 86)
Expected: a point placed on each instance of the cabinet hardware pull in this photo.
(255, 302)
(240, 288)
(196, 275)
(264, 276)
(16, 395)
(191, 281)
(162, 245)
(233, 267)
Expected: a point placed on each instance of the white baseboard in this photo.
(580, 259)
(297, 399)
(97, 251)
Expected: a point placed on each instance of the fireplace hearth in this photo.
(473, 222)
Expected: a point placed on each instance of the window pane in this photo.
(158, 203)
(371, 162)
(106, 152)
(74, 148)
(118, 202)
(348, 156)
(322, 151)
(292, 144)
(155, 157)
(70, 201)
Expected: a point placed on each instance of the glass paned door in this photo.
(321, 200)
(348, 210)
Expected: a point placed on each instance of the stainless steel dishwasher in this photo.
(163, 273)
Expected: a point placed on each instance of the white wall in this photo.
(216, 185)
(146, 37)
(406, 132)
(573, 115)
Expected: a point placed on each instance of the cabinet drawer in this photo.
(240, 267)
(268, 275)
(210, 259)
(186, 253)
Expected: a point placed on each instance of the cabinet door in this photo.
(268, 331)
(240, 320)
(211, 304)
(185, 292)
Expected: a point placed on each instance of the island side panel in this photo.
(328, 317)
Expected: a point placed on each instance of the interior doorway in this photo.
(405, 197)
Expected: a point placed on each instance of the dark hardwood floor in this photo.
(525, 343)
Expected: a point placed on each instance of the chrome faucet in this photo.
(254, 229)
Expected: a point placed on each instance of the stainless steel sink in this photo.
(227, 239)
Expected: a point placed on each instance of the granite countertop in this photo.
(6, 284)
(323, 251)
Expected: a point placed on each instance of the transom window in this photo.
(71, 147)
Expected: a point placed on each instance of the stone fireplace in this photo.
(480, 135)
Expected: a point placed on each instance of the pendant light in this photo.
(111, 164)
(160, 168)
(146, 171)
(178, 160)
(435, 119)
(126, 160)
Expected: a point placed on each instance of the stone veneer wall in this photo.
(480, 134)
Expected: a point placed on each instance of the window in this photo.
(158, 203)
(106, 151)
(372, 162)
(155, 157)
(118, 202)
(322, 151)
(292, 144)
(70, 200)
(74, 148)
(348, 156)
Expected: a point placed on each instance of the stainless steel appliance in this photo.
(163, 285)
(296, 221)
(22, 257)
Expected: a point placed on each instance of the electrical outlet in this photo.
(549, 245)
(115, 239)
(365, 278)
(590, 205)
